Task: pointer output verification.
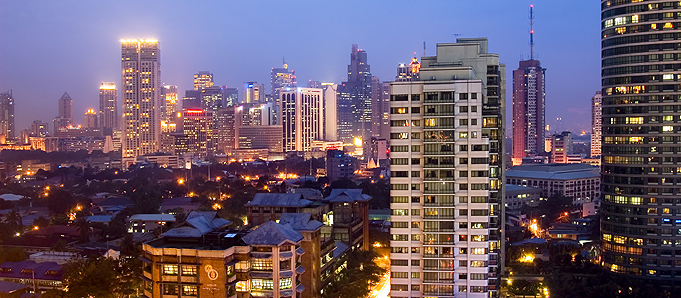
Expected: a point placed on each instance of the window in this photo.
(399, 274)
(463, 109)
(189, 270)
(285, 283)
(416, 174)
(399, 148)
(478, 251)
(261, 264)
(170, 269)
(400, 224)
(399, 212)
(416, 263)
(189, 290)
(169, 289)
(243, 266)
(478, 276)
(462, 289)
(399, 199)
(400, 288)
(415, 275)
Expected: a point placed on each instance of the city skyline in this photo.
(185, 55)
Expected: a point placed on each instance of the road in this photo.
(382, 289)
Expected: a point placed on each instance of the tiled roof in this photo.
(43, 270)
(279, 200)
(347, 195)
(272, 233)
(153, 217)
(300, 221)
(197, 224)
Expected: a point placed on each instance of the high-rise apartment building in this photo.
(640, 88)
(108, 106)
(380, 110)
(196, 126)
(596, 123)
(202, 80)
(253, 93)
(561, 146)
(302, 118)
(408, 72)
(7, 115)
(528, 110)
(330, 111)
(90, 119)
(141, 88)
(281, 78)
(354, 100)
(446, 173)
(171, 105)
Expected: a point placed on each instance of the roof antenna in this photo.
(424, 49)
(531, 32)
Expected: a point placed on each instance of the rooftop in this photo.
(518, 189)
(198, 223)
(554, 171)
(153, 217)
(27, 269)
(279, 200)
(272, 233)
(345, 195)
(300, 221)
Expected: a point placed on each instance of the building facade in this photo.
(446, 195)
(355, 103)
(7, 115)
(596, 123)
(171, 105)
(141, 87)
(90, 119)
(330, 111)
(380, 110)
(302, 117)
(581, 182)
(253, 93)
(281, 78)
(561, 147)
(66, 109)
(528, 110)
(640, 89)
(108, 106)
(196, 126)
(203, 80)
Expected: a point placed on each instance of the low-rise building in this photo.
(44, 276)
(581, 182)
(518, 196)
(148, 223)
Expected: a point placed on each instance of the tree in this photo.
(101, 277)
(83, 229)
(358, 278)
(12, 254)
(524, 287)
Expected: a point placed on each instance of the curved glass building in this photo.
(641, 166)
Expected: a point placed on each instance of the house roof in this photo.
(300, 221)
(279, 200)
(197, 224)
(347, 195)
(43, 270)
(11, 197)
(100, 218)
(7, 287)
(115, 201)
(153, 217)
(272, 233)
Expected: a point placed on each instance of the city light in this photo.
(528, 258)
(180, 181)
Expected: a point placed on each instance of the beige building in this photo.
(302, 117)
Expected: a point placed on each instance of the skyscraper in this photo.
(108, 106)
(408, 72)
(596, 123)
(171, 105)
(355, 104)
(90, 119)
(141, 86)
(253, 93)
(302, 118)
(330, 111)
(529, 94)
(39, 129)
(281, 78)
(380, 108)
(202, 80)
(196, 126)
(446, 191)
(640, 88)
(66, 109)
(7, 115)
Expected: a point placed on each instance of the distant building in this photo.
(281, 78)
(529, 94)
(596, 123)
(408, 72)
(66, 109)
(43, 276)
(518, 196)
(148, 223)
(202, 80)
(225, 132)
(253, 93)
(141, 91)
(7, 115)
(171, 106)
(355, 103)
(339, 165)
(260, 137)
(302, 118)
(196, 126)
(380, 110)
(330, 111)
(90, 120)
(581, 182)
(39, 129)
(562, 146)
(163, 160)
(108, 106)
(379, 152)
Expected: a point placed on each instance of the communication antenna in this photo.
(424, 49)
(531, 32)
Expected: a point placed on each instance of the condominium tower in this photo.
(7, 115)
(281, 77)
(641, 213)
(302, 118)
(108, 106)
(446, 172)
(596, 123)
(528, 110)
(202, 80)
(141, 87)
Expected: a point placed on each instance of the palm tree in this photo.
(14, 221)
(84, 229)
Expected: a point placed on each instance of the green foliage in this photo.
(60, 201)
(102, 277)
(12, 254)
(358, 278)
(524, 287)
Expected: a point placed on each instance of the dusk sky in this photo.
(48, 47)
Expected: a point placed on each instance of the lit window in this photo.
(667, 77)
(477, 263)
(189, 290)
(667, 128)
(653, 26)
(170, 269)
(463, 135)
(668, 26)
(634, 18)
(478, 251)
(285, 283)
(609, 23)
(242, 286)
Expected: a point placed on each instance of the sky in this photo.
(51, 47)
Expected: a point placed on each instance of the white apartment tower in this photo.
(330, 111)
(446, 139)
(141, 87)
(302, 118)
(596, 123)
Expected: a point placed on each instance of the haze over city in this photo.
(73, 46)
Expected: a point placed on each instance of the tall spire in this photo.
(531, 33)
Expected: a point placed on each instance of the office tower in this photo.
(408, 72)
(640, 142)
(380, 112)
(108, 106)
(226, 130)
(257, 114)
(446, 139)
(355, 104)
(90, 120)
(314, 84)
(302, 118)
(66, 108)
(202, 80)
(39, 128)
(141, 88)
(339, 165)
(596, 123)
(253, 93)
(282, 78)
(196, 126)
(171, 105)
(7, 115)
(231, 97)
(191, 99)
(330, 111)
(260, 137)
(529, 94)
(561, 147)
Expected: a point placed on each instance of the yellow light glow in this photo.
(180, 181)
(35, 228)
(217, 206)
(527, 258)
(358, 142)
(134, 40)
